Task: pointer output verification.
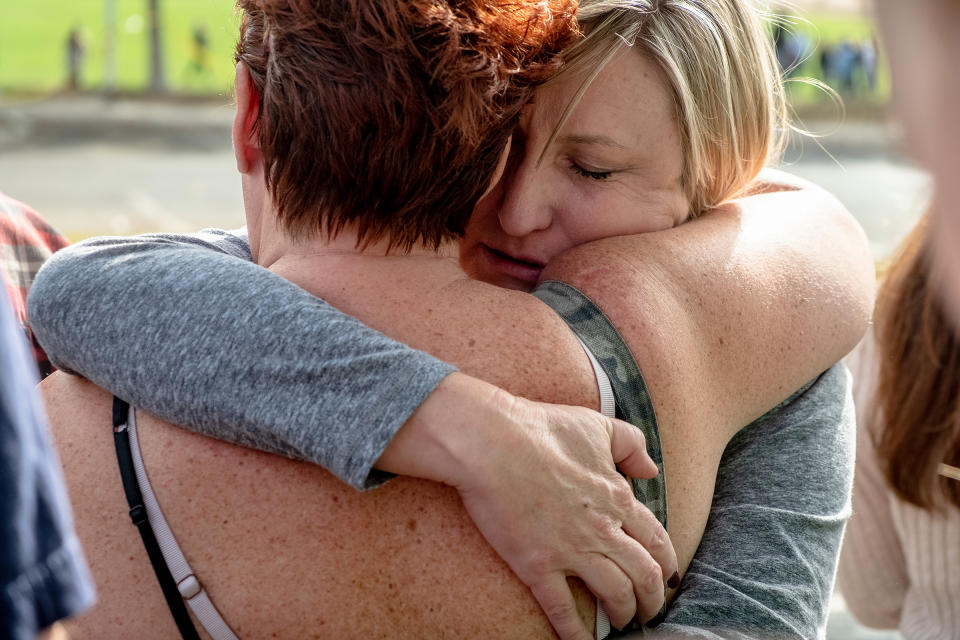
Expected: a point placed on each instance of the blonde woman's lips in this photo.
(511, 267)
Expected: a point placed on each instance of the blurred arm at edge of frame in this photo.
(922, 40)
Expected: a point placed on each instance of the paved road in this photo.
(863, 166)
(94, 168)
(96, 189)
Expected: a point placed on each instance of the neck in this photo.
(366, 283)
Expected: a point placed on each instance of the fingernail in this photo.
(674, 580)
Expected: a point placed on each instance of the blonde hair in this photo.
(720, 64)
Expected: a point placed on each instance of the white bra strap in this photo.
(608, 404)
(608, 407)
(190, 588)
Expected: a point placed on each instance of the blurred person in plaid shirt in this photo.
(26, 241)
(43, 575)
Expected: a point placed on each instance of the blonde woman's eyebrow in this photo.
(606, 141)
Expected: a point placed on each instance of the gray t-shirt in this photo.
(179, 326)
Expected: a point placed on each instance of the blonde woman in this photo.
(707, 373)
(900, 559)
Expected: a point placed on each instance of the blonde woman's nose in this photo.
(525, 207)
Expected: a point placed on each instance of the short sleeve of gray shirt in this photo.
(257, 360)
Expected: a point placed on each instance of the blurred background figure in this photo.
(901, 556)
(790, 48)
(76, 53)
(869, 61)
(43, 575)
(199, 63)
(843, 63)
(901, 559)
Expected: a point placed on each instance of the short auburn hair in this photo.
(390, 115)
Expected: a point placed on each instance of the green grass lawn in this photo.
(33, 36)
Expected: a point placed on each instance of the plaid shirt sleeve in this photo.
(26, 241)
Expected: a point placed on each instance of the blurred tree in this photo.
(157, 80)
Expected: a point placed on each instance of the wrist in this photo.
(440, 439)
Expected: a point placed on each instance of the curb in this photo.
(85, 119)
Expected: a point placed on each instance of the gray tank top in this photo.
(631, 398)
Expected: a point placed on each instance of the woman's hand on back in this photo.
(541, 483)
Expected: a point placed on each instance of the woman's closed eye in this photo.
(590, 173)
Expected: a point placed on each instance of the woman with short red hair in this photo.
(364, 133)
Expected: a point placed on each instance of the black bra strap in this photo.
(138, 514)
